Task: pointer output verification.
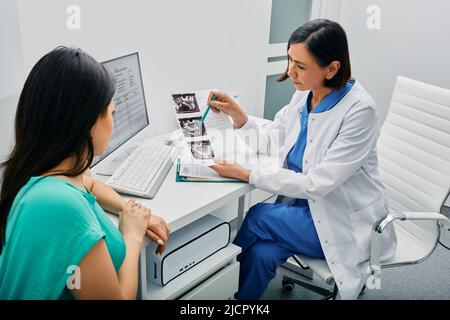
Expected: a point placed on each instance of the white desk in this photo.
(181, 203)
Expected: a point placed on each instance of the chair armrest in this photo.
(380, 225)
(425, 216)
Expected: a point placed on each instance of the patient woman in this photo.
(56, 240)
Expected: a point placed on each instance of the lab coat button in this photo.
(318, 221)
(310, 140)
(326, 241)
(313, 200)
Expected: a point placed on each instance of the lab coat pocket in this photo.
(362, 222)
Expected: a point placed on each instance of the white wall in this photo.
(11, 71)
(183, 45)
(414, 41)
(11, 66)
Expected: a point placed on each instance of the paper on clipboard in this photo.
(235, 151)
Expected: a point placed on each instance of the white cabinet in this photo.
(215, 278)
(221, 285)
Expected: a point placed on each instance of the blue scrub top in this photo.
(295, 155)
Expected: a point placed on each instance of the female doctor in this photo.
(330, 193)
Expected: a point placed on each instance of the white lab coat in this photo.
(340, 179)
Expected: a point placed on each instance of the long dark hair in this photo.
(327, 42)
(63, 96)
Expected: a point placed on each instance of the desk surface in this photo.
(180, 203)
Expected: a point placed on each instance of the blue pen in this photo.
(206, 112)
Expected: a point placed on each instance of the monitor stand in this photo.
(110, 166)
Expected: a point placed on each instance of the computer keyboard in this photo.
(144, 170)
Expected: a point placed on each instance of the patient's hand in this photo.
(229, 169)
(157, 229)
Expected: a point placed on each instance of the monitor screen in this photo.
(131, 115)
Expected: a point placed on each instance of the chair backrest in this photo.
(414, 150)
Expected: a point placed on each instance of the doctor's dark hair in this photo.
(62, 98)
(327, 42)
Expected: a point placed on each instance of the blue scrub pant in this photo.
(270, 234)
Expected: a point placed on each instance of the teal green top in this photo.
(51, 226)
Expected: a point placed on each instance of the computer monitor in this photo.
(130, 116)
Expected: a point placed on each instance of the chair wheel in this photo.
(287, 286)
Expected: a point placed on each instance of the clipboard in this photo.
(180, 178)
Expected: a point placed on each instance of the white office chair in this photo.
(414, 163)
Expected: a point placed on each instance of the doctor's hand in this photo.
(227, 105)
(229, 169)
(158, 231)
